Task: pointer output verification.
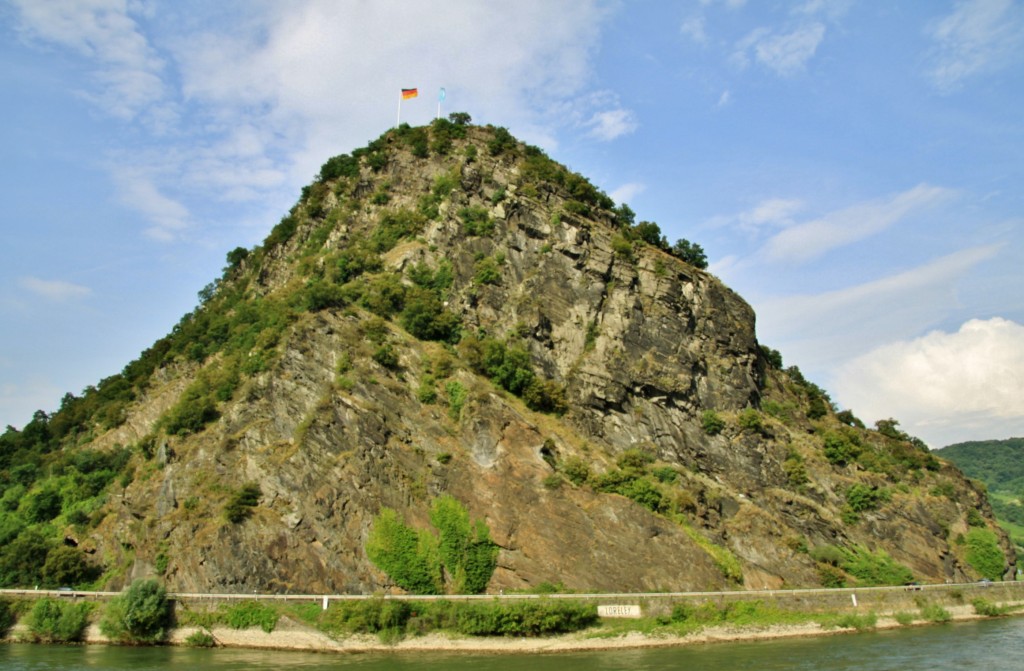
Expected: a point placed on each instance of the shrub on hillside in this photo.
(984, 553)
(239, 506)
(711, 422)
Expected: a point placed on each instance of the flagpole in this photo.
(398, 121)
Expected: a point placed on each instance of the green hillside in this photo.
(1000, 465)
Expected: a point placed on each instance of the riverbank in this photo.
(292, 635)
(599, 622)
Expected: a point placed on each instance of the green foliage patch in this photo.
(55, 621)
(240, 504)
(984, 553)
(868, 568)
(460, 558)
(141, 614)
(509, 367)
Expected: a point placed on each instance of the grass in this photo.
(850, 621)
(244, 615)
(932, 612)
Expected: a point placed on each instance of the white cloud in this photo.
(627, 192)
(731, 4)
(774, 212)
(138, 191)
(54, 290)
(785, 53)
(822, 330)
(693, 28)
(945, 387)
(830, 9)
(610, 124)
(724, 99)
(127, 70)
(809, 240)
(244, 104)
(978, 36)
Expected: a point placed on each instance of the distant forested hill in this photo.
(1000, 465)
(997, 463)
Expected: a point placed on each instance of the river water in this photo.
(991, 645)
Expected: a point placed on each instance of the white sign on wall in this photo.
(618, 611)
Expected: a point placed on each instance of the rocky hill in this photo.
(457, 357)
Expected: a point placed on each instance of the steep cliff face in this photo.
(450, 312)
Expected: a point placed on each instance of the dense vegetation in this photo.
(142, 614)
(999, 464)
(459, 557)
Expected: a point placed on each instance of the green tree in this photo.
(22, 560)
(690, 252)
(66, 566)
(141, 614)
(44, 505)
(53, 621)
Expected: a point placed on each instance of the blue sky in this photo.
(855, 170)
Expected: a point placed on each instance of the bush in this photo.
(43, 506)
(393, 227)
(194, 410)
(984, 553)
(6, 617)
(239, 506)
(457, 396)
(690, 252)
(988, 609)
(200, 639)
(476, 220)
(22, 560)
(933, 612)
(486, 271)
(711, 422)
(66, 566)
(524, 618)
(622, 247)
(461, 553)
(386, 356)
(750, 420)
(839, 450)
(408, 557)
(366, 616)
(425, 317)
(875, 568)
(856, 621)
(251, 614)
(576, 471)
(501, 141)
(53, 621)
(140, 615)
(861, 497)
(634, 458)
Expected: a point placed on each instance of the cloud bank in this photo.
(54, 290)
(943, 387)
(243, 104)
(978, 36)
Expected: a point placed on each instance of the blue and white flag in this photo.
(440, 96)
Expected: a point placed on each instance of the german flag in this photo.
(409, 93)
